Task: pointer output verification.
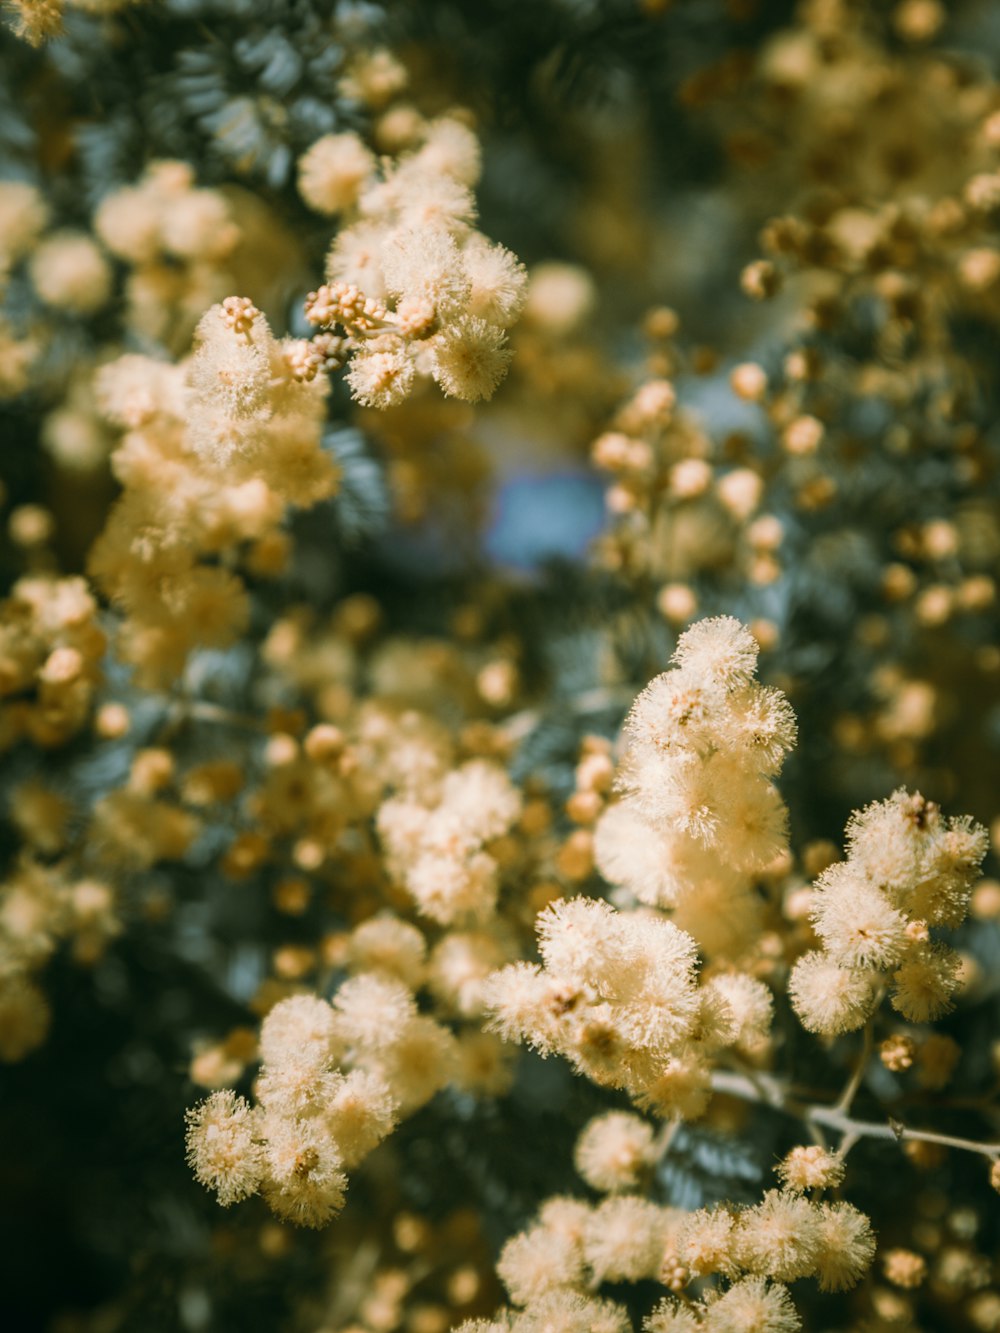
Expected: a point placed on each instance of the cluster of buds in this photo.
(238, 313)
(345, 304)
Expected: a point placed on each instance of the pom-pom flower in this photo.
(223, 1147)
(614, 1151)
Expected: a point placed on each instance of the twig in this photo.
(663, 1140)
(846, 1098)
(833, 1117)
(870, 1129)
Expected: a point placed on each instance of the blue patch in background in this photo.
(538, 516)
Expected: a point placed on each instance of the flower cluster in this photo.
(51, 647)
(617, 996)
(312, 1119)
(679, 509)
(438, 851)
(908, 869)
(784, 1237)
(416, 290)
(214, 452)
(699, 811)
(555, 1267)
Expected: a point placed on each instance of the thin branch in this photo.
(869, 1129)
(770, 1093)
(846, 1098)
(663, 1140)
